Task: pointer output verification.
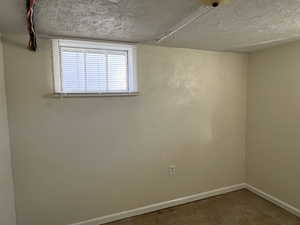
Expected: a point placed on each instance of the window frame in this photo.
(89, 46)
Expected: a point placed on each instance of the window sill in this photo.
(87, 95)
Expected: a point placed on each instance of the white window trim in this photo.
(97, 46)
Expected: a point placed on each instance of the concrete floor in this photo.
(235, 208)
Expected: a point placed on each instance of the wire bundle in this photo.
(32, 44)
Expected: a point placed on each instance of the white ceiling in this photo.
(241, 25)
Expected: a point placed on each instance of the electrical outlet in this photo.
(172, 170)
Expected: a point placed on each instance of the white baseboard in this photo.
(187, 199)
(274, 200)
(161, 205)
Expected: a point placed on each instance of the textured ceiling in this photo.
(126, 20)
(241, 25)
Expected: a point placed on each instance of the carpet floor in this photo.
(235, 208)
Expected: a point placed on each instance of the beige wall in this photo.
(273, 140)
(80, 158)
(7, 208)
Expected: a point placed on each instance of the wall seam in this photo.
(9, 131)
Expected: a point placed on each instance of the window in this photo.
(82, 67)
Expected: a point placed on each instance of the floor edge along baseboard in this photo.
(274, 200)
(161, 205)
(187, 199)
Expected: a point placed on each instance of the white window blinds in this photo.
(87, 69)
